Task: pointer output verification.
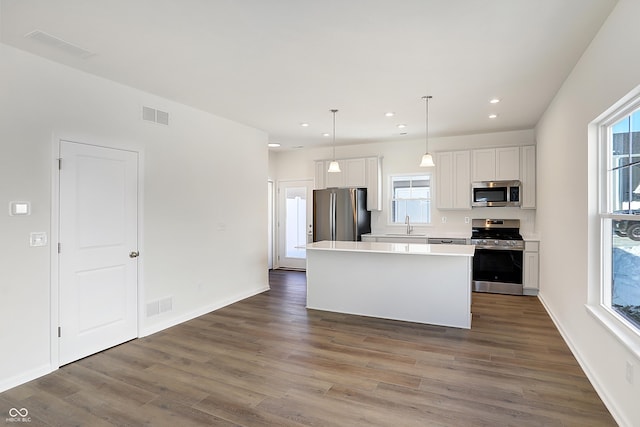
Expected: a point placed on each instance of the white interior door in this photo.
(98, 262)
(295, 222)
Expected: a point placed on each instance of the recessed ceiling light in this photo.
(494, 101)
(326, 134)
(493, 116)
(304, 125)
(389, 114)
(273, 144)
(402, 126)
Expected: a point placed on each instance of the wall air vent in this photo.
(58, 43)
(159, 306)
(148, 114)
(162, 117)
(152, 115)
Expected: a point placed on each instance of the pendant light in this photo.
(334, 167)
(427, 158)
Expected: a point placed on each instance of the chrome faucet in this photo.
(408, 222)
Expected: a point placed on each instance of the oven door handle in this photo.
(494, 248)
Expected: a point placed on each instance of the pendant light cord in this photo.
(334, 133)
(427, 98)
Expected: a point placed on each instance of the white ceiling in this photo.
(273, 64)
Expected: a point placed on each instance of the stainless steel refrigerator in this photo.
(340, 214)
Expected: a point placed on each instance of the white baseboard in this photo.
(585, 367)
(157, 327)
(25, 377)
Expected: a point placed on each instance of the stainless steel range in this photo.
(497, 262)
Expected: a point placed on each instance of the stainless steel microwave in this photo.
(495, 193)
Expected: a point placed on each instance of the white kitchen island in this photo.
(402, 281)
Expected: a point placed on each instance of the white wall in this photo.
(204, 205)
(403, 156)
(567, 205)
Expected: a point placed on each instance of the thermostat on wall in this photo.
(19, 208)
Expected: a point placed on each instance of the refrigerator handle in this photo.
(332, 216)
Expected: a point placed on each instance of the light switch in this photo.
(38, 239)
(19, 208)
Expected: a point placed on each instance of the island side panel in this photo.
(432, 289)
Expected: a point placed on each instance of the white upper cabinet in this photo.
(335, 179)
(528, 177)
(453, 184)
(484, 165)
(320, 175)
(359, 172)
(444, 180)
(355, 172)
(496, 164)
(507, 163)
(374, 183)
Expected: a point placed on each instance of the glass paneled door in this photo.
(295, 222)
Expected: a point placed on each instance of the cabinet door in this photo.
(528, 177)
(374, 183)
(400, 239)
(444, 180)
(355, 172)
(320, 173)
(531, 261)
(507, 163)
(335, 179)
(484, 165)
(461, 180)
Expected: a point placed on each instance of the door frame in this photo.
(280, 212)
(54, 293)
(271, 226)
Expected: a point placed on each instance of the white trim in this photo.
(141, 249)
(621, 330)
(599, 297)
(54, 285)
(430, 200)
(199, 312)
(281, 220)
(602, 392)
(25, 377)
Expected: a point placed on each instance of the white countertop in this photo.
(393, 248)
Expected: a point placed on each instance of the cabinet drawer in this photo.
(532, 246)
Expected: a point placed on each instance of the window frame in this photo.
(429, 175)
(599, 303)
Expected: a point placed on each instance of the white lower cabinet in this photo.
(530, 273)
(400, 238)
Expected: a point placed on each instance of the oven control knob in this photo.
(496, 242)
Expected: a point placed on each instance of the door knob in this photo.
(134, 254)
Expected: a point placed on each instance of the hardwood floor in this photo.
(268, 361)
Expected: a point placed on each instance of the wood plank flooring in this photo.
(267, 361)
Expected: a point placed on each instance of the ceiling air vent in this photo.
(58, 43)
